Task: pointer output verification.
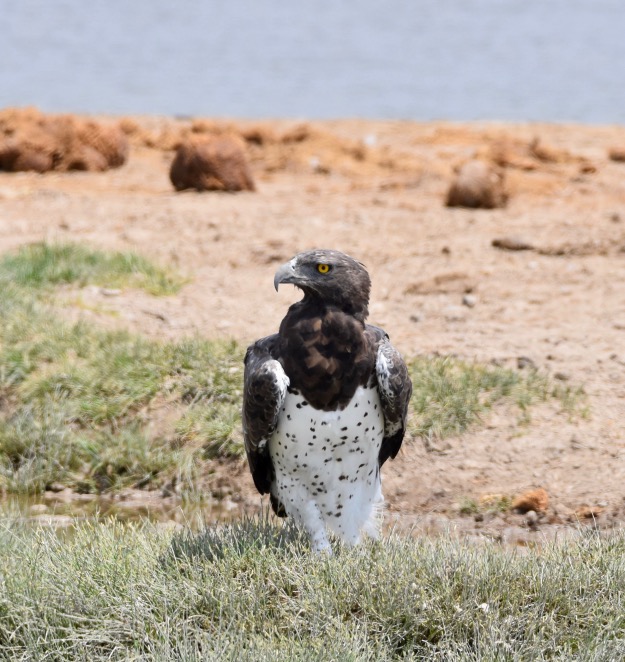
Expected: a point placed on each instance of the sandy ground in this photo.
(376, 191)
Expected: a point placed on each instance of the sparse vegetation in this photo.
(79, 402)
(43, 265)
(449, 395)
(251, 591)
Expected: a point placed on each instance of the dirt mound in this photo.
(211, 163)
(31, 140)
(297, 148)
(478, 185)
(617, 154)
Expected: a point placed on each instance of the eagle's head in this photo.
(331, 276)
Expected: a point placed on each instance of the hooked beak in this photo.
(285, 274)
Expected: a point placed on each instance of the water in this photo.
(416, 59)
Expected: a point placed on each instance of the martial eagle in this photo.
(325, 402)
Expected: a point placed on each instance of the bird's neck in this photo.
(313, 303)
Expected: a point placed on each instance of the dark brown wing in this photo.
(395, 389)
(264, 389)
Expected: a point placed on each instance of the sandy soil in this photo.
(376, 190)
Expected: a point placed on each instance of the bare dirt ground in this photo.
(376, 190)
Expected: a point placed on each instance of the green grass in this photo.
(43, 265)
(450, 395)
(79, 402)
(250, 591)
(97, 410)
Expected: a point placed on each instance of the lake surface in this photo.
(553, 60)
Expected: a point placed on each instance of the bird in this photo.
(325, 403)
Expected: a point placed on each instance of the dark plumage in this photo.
(325, 401)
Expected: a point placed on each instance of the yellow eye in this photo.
(323, 268)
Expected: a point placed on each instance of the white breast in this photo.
(326, 464)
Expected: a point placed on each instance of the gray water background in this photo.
(552, 60)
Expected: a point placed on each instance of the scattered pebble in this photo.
(524, 362)
(562, 376)
(531, 518)
(370, 140)
(469, 300)
(512, 244)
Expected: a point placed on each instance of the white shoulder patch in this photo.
(282, 380)
(383, 367)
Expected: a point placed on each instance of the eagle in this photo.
(325, 402)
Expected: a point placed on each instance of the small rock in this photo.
(370, 140)
(525, 362)
(617, 154)
(55, 487)
(587, 168)
(536, 500)
(109, 292)
(469, 300)
(416, 317)
(512, 244)
(531, 518)
(562, 376)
